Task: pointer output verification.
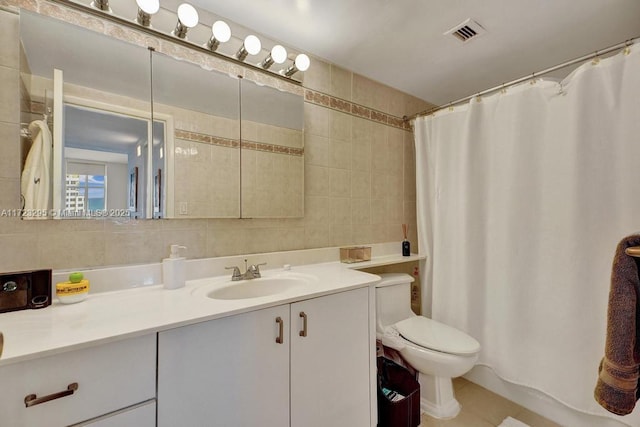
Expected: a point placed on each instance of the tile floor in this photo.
(482, 408)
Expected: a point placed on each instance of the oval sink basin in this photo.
(255, 288)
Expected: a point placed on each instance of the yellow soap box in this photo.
(71, 292)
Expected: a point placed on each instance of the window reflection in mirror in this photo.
(98, 101)
(100, 150)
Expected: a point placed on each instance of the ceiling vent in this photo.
(466, 31)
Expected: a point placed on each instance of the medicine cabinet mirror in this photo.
(205, 160)
(99, 115)
(223, 147)
(272, 152)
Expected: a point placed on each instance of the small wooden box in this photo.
(355, 254)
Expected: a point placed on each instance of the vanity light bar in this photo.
(221, 33)
(188, 18)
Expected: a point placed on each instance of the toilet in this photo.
(437, 351)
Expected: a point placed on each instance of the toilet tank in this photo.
(393, 299)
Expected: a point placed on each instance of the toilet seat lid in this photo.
(437, 336)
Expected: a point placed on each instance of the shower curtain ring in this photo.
(561, 90)
(627, 47)
(504, 89)
(596, 59)
(533, 79)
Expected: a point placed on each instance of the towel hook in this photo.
(24, 130)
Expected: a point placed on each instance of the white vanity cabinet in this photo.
(330, 362)
(226, 372)
(232, 372)
(75, 386)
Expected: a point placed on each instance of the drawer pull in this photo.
(303, 332)
(280, 322)
(32, 399)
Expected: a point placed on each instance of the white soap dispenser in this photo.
(173, 269)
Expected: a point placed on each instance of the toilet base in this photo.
(436, 397)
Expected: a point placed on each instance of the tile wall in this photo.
(359, 182)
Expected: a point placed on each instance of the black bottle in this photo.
(406, 248)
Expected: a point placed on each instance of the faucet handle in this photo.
(255, 269)
(236, 273)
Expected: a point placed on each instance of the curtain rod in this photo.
(595, 54)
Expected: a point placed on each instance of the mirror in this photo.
(94, 93)
(100, 96)
(204, 161)
(272, 152)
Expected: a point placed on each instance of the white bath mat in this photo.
(512, 422)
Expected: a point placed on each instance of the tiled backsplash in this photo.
(359, 178)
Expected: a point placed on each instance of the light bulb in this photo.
(188, 15)
(252, 44)
(302, 62)
(221, 31)
(146, 8)
(149, 6)
(278, 54)
(187, 18)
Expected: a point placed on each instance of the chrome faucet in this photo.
(251, 272)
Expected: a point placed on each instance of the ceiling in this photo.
(401, 43)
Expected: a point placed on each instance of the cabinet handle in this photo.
(303, 332)
(1, 343)
(32, 399)
(280, 338)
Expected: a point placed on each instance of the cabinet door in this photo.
(330, 366)
(226, 372)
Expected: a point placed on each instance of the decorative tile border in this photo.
(206, 139)
(272, 148)
(234, 143)
(338, 104)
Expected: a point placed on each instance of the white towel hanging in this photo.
(36, 179)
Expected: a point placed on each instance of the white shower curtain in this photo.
(522, 198)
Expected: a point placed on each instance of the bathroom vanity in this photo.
(306, 362)
(302, 356)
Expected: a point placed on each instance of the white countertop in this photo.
(111, 316)
(141, 305)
